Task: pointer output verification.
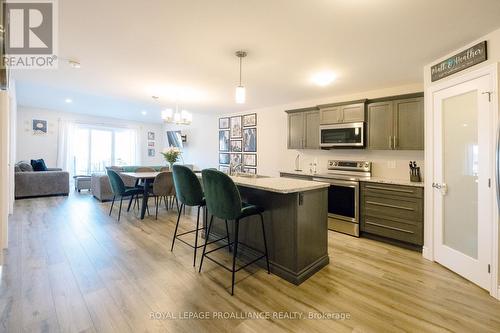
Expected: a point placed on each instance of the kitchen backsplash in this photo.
(385, 163)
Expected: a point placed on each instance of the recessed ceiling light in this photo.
(323, 78)
(68, 100)
(143, 112)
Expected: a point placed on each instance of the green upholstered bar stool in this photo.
(189, 193)
(120, 190)
(224, 201)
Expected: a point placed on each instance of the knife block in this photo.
(415, 178)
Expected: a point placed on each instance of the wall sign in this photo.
(465, 59)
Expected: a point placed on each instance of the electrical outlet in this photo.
(391, 164)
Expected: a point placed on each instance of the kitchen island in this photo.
(296, 223)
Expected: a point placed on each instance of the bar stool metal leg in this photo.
(206, 241)
(236, 229)
(175, 232)
(228, 240)
(111, 209)
(196, 236)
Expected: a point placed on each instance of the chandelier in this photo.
(177, 117)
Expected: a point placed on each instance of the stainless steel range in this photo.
(343, 194)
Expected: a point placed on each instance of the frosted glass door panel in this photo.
(460, 171)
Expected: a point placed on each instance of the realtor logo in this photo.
(30, 35)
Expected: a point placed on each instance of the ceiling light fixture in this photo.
(240, 94)
(178, 117)
(323, 78)
(144, 112)
(68, 100)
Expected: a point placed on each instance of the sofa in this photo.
(29, 183)
(100, 186)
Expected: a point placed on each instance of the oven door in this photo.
(342, 135)
(343, 206)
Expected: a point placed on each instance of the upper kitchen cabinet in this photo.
(396, 124)
(303, 128)
(347, 112)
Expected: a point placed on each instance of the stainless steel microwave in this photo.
(342, 135)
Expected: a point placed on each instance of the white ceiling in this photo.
(130, 50)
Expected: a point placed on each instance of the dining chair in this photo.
(163, 187)
(120, 190)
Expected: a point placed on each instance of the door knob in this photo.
(442, 187)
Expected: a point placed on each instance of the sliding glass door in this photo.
(96, 148)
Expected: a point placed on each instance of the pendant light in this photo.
(240, 94)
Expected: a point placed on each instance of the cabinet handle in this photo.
(388, 205)
(394, 146)
(390, 141)
(388, 189)
(388, 227)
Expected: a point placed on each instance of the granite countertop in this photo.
(381, 180)
(279, 185)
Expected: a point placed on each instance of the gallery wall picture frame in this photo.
(151, 144)
(236, 146)
(235, 158)
(224, 158)
(224, 123)
(250, 140)
(151, 136)
(250, 160)
(224, 168)
(250, 120)
(224, 140)
(39, 126)
(236, 129)
(151, 153)
(250, 170)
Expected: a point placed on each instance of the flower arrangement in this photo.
(171, 154)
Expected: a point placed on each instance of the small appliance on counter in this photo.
(343, 193)
(415, 176)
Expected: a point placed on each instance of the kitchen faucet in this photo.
(297, 163)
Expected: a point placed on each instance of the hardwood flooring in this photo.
(71, 268)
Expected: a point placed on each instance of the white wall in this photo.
(31, 146)
(201, 148)
(4, 169)
(12, 141)
(273, 155)
(493, 49)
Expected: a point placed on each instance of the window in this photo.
(95, 148)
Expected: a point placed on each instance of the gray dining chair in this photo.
(163, 187)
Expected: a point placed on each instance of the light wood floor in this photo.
(71, 268)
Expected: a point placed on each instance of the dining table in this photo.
(147, 178)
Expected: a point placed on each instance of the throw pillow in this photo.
(38, 165)
(25, 166)
(17, 168)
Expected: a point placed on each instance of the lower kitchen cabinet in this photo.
(392, 212)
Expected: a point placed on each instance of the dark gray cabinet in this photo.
(350, 112)
(393, 212)
(303, 129)
(396, 124)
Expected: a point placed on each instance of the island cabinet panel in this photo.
(393, 212)
(296, 230)
(303, 129)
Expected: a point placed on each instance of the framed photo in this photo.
(250, 170)
(235, 159)
(250, 140)
(224, 140)
(224, 168)
(250, 160)
(224, 158)
(151, 136)
(235, 127)
(39, 126)
(223, 123)
(250, 120)
(236, 145)
(151, 152)
(151, 143)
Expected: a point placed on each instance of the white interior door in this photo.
(464, 135)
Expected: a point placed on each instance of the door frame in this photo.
(428, 249)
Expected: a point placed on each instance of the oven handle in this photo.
(348, 183)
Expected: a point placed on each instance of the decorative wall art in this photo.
(151, 136)
(151, 144)
(39, 126)
(237, 137)
(151, 153)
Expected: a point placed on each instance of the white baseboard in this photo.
(427, 253)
